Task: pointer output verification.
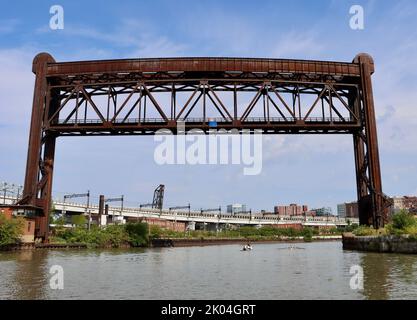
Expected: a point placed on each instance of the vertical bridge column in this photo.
(38, 180)
(372, 203)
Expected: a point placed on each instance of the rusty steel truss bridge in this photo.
(141, 96)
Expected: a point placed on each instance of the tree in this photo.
(79, 220)
(10, 230)
(52, 213)
(403, 220)
(138, 233)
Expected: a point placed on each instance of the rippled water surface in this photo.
(270, 271)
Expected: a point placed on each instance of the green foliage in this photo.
(111, 236)
(271, 232)
(79, 220)
(60, 221)
(52, 213)
(365, 231)
(411, 230)
(114, 236)
(307, 234)
(155, 232)
(55, 239)
(10, 230)
(350, 227)
(403, 220)
(246, 232)
(138, 233)
(56, 219)
(333, 230)
(402, 223)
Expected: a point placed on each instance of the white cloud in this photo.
(16, 85)
(132, 36)
(295, 44)
(8, 26)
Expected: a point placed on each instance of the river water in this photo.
(319, 270)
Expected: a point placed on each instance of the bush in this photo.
(111, 236)
(155, 232)
(79, 220)
(334, 230)
(365, 231)
(412, 230)
(138, 233)
(115, 235)
(10, 230)
(403, 220)
(307, 234)
(402, 223)
(350, 227)
(54, 239)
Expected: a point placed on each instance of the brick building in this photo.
(408, 203)
(292, 210)
(28, 235)
(296, 226)
(170, 225)
(348, 210)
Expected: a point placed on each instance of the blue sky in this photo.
(315, 170)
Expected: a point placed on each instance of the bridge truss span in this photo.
(141, 102)
(142, 96)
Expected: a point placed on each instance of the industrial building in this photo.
(28, 235)
(322, 212)
(348, 210)
(408, 203)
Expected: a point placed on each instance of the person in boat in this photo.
(247, 247)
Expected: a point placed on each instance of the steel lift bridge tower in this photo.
(141, 96)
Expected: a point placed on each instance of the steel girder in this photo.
(142, 96)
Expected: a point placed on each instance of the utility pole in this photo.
(79, 195)
(18, 192)
(121, 199)
(87, 209)
(4, 190)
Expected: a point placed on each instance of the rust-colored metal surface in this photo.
(203, 65)
(142, 96)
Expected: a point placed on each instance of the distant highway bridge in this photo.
(198, 217)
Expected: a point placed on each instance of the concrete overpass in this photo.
(198, 217)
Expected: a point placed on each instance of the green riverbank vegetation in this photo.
(249, 233)
(139, 234)
(10, 230)
(402, 223)
(111, 236)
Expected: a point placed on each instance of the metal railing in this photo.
(208, 120)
